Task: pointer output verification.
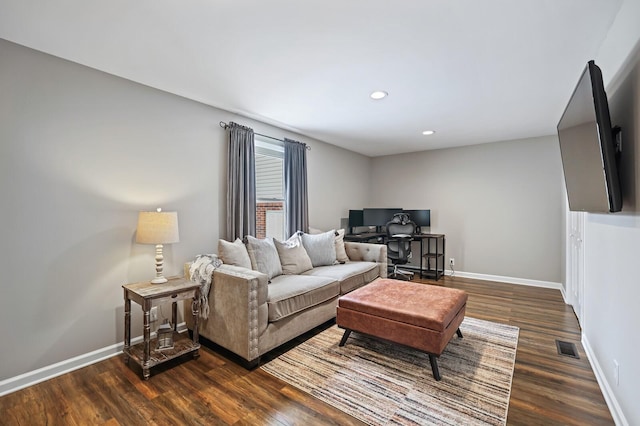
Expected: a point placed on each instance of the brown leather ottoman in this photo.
(420, 316)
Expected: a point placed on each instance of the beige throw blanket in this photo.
(201, 271)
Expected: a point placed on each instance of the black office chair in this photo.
(400, 232)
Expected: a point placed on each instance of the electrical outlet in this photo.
(452, 261)
(153, 314)
(616, 372)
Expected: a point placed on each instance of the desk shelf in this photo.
(432, 250)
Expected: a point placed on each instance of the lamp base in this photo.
(159, 279)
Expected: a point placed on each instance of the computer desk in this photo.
(365, 237)
(433, 243)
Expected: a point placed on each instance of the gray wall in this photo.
(499, 204)
(612, 241)
(81, 152)
(338, 181)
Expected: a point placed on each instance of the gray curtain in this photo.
(241, 190)
(295, 186)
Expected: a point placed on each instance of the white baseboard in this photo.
(30, 378)
(564, 296)
(510, 280)
(609, 397)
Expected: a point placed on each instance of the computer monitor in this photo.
(420, 217)
(378, 217)
(355, 218)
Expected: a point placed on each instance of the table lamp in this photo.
(158, 228)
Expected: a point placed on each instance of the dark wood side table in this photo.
(148, 295)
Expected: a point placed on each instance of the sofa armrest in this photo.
(238, 310)
(369, 253)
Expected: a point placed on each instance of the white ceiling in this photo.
(474, 71)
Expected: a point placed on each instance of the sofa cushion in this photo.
(234, 253)
(351, 274)
(321, 248)
(293, 257)
(264, 256)
(289, 294)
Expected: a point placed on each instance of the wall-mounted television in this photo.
(588, 147)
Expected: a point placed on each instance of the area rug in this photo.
(382, 383)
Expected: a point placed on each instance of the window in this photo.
(270, 202)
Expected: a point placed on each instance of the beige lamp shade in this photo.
(157, 228)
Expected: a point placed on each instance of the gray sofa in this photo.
(251, 315)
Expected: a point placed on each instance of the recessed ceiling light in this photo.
(428, 132)
(378, 94)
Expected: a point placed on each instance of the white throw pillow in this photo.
(341, 252)
(264, 256)
(293, 257)
(321, 248)
(234, 253)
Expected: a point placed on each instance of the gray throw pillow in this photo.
(293, 257)
(264, 256)
(321, 248)
(234, 253)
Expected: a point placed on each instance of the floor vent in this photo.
(567, 349)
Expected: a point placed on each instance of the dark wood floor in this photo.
(547, 388)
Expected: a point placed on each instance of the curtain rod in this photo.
(225, 125)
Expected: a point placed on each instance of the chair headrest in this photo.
(401, 218)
